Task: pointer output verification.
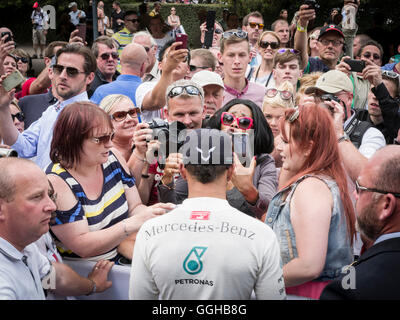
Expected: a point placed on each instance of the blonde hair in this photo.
(277, 101)
(308, 80)
(272, 33)
(111, 100)
(14, 102)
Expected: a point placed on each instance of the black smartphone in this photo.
(7, 33)
(312, 4)
(209, 35)
(355, 65)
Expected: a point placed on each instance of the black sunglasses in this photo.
(133, 20)
(266, 44)
(176, 91)
(106, 56)
(22, 59)
(121, 115)
(194, 68)
(218, 31)
(360, 188)
(71, 71)
(20, 116)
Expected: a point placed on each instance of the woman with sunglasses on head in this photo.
(98, 205)
(251, 187)
(268, 44)
(312, 214)
(276, 101)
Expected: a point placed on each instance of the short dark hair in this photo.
(49, 51)
(130, 13)
(251, 14)
(263, 137)
(287, 56)
(370, 43)
(75, 123)
(90, 64)
(206, 173)
(274, 24)
(206, 56)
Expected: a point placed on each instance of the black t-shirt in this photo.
(115, 16)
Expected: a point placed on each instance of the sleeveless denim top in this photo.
(339, 251)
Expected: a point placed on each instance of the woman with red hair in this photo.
(312, 214)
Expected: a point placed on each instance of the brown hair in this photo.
(206, 56)
(109, 42)
(285, 57)
(232, 40)
(49, 51)
(75, 123)
(251, 14)
(90, 64)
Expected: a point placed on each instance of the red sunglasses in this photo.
(243, 123)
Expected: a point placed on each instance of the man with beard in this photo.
(73, 72)
(375, 274)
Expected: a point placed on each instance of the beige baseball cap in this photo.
(206, 77)
(332, 81)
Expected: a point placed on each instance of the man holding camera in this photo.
(39, 21)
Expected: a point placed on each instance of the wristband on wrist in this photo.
(301, 29)
(93, 287)
(145, 176)
(344, 137)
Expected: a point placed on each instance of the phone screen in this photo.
(182, 38)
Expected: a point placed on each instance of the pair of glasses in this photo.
(218, 31)
(390, 74)
(368, 55)
(266, 44)
(283, 50)
(243, 123)
(133, 20)
(360, 188)
(285, 95)
(335, 43)
(71, 71)
(194, 68)
(253, 25)
(103, 139)
(177, 91)
(106, 56)
(121, 115)
(237, 33)
(20, 116)
(22, 59)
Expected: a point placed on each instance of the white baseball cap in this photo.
(206, 77)
(332, 81)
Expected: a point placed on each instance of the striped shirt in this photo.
(123, 38)
(108, 209)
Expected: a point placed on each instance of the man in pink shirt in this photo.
(235, 56)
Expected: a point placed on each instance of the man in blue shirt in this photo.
(73, 71)
(133, 66)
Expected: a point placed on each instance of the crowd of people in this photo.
(266, 165)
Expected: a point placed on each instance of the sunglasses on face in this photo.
(71, 71)
(121, 115)
(254, 25)
(266, 44)
(283, 50)
(218, 31)
(194, 68)
(103, 139)
(285, 95)
(238, 33)
(176, 91)
(368, 55)
(243, 123)
(133, 20)
(20, 116)
(22, 59)
(360, 188)
(106, 56)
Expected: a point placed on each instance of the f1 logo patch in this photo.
(200, 215)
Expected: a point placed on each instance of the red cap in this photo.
(330, 27)
(35, 5)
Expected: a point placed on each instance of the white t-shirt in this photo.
(206, 249)
(141, 91)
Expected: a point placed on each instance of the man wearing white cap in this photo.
(335, 84)
(39, 21)
(213, 87)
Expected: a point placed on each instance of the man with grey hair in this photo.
(145, 39)
(133, 63)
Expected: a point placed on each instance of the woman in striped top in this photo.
(98, 205)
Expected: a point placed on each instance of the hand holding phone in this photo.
(355, 65)
(13, 80)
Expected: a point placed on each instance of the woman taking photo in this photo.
(98, 205)
(312, 215)
(268, 44)
(252, 187)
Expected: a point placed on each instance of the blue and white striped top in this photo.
(108, 209)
